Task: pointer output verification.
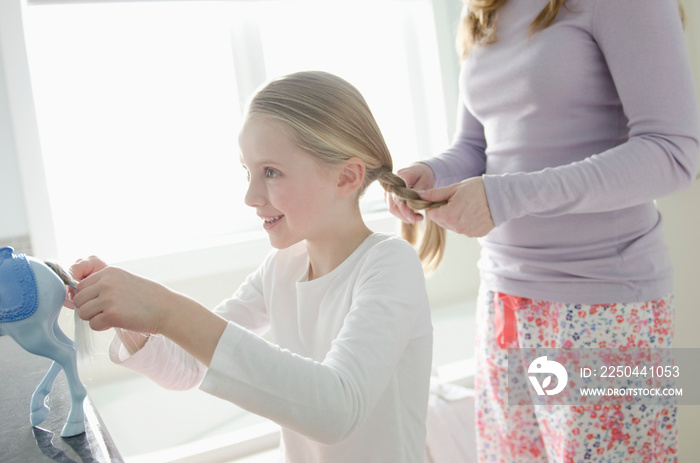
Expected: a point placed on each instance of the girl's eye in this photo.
(271, 173)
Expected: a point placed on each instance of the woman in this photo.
(574, 117)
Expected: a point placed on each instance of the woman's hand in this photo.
(418, 176)
(467, 210)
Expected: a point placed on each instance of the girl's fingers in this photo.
(88, 310)
(68, 301)
(88, 299)
(87, 289)
(100, 322)
(83, 268)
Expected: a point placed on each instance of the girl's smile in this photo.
(269, 222)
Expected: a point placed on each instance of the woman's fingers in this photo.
(437, 195)
(467, 210)
(416, 176)
(410, 215)
(399, 209)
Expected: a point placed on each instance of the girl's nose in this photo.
(255, 196)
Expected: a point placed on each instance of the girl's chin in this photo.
(278, 243)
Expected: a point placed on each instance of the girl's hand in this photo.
(109, 297)
(83, 268)
(418, 176)
(467, 210)
(80, 270)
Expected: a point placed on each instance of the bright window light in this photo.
(139, 105)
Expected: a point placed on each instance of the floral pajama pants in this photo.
(614, 432)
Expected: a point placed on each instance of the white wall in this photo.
(682, 216)
(13, 221)
(681, 213)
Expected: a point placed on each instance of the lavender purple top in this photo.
(576, 130)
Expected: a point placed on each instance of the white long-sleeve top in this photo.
(347, 376)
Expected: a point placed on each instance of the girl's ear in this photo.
(351, 176)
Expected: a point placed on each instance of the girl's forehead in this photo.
(259, 129)
(265, 141)
(262, 137)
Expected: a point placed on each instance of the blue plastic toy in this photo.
(31, 297)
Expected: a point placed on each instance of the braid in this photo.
(430, 242)
(392, 183)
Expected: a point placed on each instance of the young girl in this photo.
(347, 376)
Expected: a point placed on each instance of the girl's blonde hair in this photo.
(327, 116)
(478, 25)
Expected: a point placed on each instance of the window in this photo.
(138, 106)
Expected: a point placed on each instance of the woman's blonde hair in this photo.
(478, 25)
(328, 117)
(479, 22)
